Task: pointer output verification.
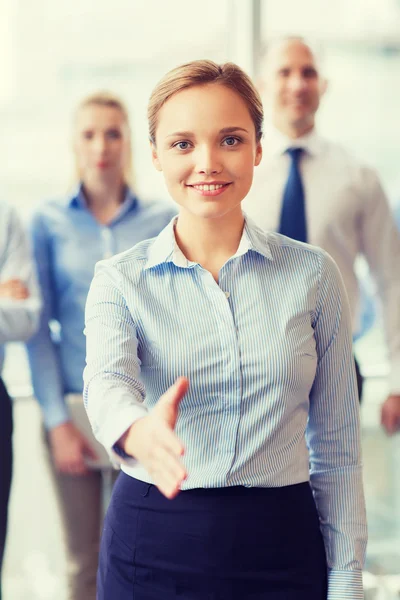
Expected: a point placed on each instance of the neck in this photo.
(102, 194)
(209, 242)
(293, 130)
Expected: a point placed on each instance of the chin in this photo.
(214, 212)
(301, 116)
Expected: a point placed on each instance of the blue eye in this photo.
(231, 141)
(182, 145)
(114, 134)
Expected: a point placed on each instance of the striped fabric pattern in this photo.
(268, 353)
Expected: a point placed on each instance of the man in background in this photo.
(313, 190)
(19, 317)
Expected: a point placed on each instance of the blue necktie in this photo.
(293, 213)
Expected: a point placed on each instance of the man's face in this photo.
(293, 86)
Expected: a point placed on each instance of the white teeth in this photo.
(208, 188)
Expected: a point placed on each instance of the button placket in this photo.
(231, 400)
(107, 242)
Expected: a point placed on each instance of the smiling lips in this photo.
(209, 189)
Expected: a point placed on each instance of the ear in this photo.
(324, 86)
(260, 84)
(258, 156)
(154, 157)
(73, 143)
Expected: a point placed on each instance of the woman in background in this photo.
(102, 217)
(242, 479)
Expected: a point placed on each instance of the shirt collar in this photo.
(78, 200)
(276, 142)
(165, 248)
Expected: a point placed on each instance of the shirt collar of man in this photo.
(277, 143)
(165, 248)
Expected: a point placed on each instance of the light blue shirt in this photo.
(268, 352)
(67, 243)
(18, 318)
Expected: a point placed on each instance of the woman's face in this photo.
(206, 147)
(101, 143)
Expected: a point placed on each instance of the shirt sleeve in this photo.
(42, 351)
(380, 244)
(113, 393)
(333, 439)
(18, 318)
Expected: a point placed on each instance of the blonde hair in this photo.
(201, 72)
(110, 100)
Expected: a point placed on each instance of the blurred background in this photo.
(52, 53)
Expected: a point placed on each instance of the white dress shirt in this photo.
(18, 318)
(347, 214)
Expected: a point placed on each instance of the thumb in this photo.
(88, 450)
(169, 402)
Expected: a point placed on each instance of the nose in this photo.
(298, 83)
(100, 144)
(207, 161)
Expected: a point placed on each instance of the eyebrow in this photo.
(190, 133)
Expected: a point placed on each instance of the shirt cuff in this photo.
(394, 379)
(345, 585)
(111, 432)
(56, 414)
(121, 452)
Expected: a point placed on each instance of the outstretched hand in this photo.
(153, 442)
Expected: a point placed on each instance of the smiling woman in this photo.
(219, 373)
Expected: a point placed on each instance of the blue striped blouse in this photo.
(268, 353)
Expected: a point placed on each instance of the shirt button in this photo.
(227, 294)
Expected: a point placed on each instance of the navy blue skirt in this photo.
(211, 544)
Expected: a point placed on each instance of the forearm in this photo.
(47, 379)
(113, 391)
(112, 407)
(380, 242)
(19, 319)
(339, 498)
(391, 311)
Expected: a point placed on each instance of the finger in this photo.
(78, 467)
(11, 282)
(19, 295)
(165, 437)
(168, 404)
(391, 424)
(21, 290)
(176, 392)
(179, 389)
(88, 450)
(167, 486)
(169, 464)
(72, 468)
(387, 421)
